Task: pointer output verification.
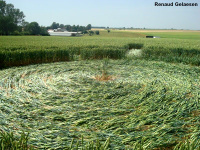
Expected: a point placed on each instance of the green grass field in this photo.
(177, 34)
(134, 102)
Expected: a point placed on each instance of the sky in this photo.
(111, 13)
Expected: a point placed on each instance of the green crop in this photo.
(17, 51)
(175, 55)
(9, 141)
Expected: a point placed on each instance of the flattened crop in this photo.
(153, 102)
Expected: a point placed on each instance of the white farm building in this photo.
(62, 32)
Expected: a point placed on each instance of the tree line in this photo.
(74, 28)
(12, 22)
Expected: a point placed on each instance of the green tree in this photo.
(68, 28)
(81, 28)
(25, 28)
(97, 32)
(7, 26)
(54, 25)
(62, 26)
(43, 31)
(84, 32)
(10, 18)
(74, 28)
(25, 25)
(88, 27)
(33, 28)
(91, 32)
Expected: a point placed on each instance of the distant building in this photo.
(156, 37)
(62, 32)
(152, 36)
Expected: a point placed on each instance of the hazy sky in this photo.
(112, 13)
